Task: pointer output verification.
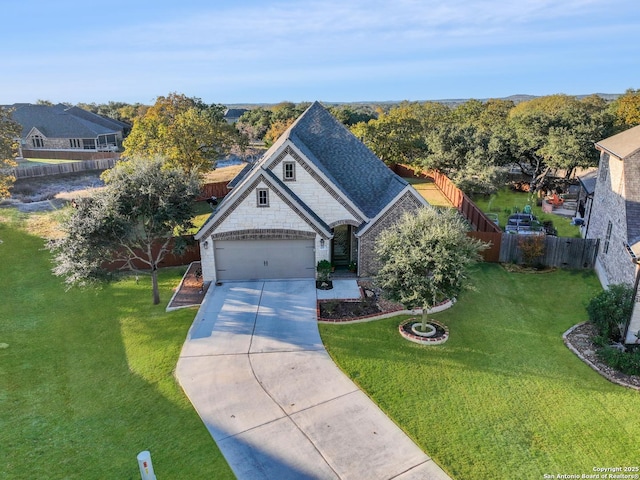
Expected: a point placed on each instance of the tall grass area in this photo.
(86, 376)
(504, 397)
(507, 201)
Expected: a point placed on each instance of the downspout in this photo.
(636, 262)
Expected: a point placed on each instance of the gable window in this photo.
(262, 197)
(289, 171)
(607, 239)
(37, 141)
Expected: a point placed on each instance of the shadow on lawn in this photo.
(75, 397)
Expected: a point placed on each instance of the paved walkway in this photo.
(256, 371)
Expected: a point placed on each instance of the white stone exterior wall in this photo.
(307, 188)
(247, 215)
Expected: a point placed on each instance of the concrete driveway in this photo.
(256, 371)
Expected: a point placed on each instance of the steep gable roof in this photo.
(355, 171)
(343, 158)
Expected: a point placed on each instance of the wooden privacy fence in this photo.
(62, 168)
(68, 154)
(563, 252)
(218, 190)
(191, 254)
(476, 217)
(576, 253)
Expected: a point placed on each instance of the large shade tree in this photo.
(133, 223)
(9, 135)
(557, 132)
(425, 258)
(189, 133)
(626, 109)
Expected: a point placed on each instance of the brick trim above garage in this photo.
(264, 234)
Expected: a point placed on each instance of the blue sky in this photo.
(250, 51)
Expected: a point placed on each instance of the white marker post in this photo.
(146, 468)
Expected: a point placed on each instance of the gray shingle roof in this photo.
(622, 145)
(355, 169)
(61, 121)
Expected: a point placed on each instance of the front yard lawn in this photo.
(503, 398)
(86, 376)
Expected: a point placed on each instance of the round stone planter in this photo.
(435, 334)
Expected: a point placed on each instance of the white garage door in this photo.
(258, 259)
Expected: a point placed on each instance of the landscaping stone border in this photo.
(386, 314)
(424, 340)
(589, 357)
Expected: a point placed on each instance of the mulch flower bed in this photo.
(191, 290)
(578, 339)
(371, 304)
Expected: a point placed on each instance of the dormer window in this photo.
(262, 195)
(289, 171)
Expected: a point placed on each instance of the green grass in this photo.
(506, 201)
(503, 398)
(202, 213)
(86, 376)
(30, 162)
(429, 191)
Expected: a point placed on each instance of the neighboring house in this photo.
(232, 115)
(614, 213)
(61, 128)
(317, 194)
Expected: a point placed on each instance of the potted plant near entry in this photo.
(353, 266)
(323, 281)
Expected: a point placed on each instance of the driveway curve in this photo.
(255, 369)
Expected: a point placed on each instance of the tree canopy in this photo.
(472, 141)
(425, 258)
(187, 132)
(9, 135)
(133, 222)
(626, 109)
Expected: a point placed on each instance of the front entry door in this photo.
(341, 246)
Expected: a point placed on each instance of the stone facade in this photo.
(367, 262)
(608, 223)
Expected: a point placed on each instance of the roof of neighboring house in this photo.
(62, 121)
(234, 113)
(622, 145)
(588, 181)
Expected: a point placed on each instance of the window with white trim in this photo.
(37, 141)
(262, 196)
(289, 171)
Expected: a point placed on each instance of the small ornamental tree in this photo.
(9, 135)
(134, 222)
(425, 258)
(532, 248)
